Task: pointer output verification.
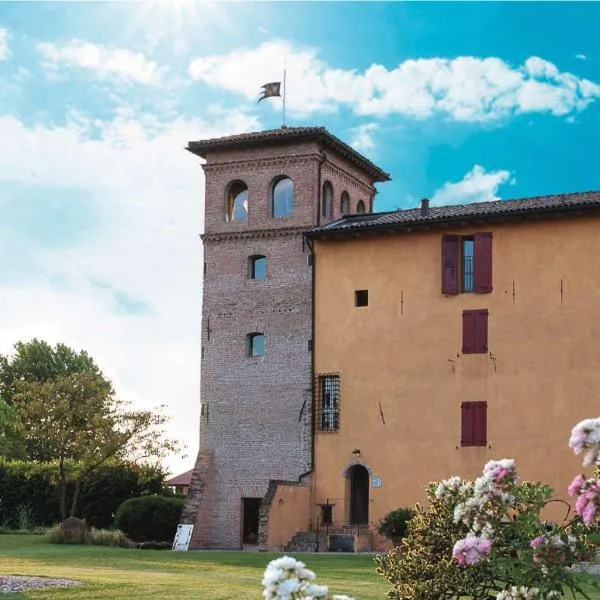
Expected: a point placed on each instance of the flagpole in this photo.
(284, 82)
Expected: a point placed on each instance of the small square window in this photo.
(361, 298)
(256, 344)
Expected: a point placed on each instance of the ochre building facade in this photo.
(446, 337)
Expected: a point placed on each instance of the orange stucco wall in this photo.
(542, 377)
(289, 513)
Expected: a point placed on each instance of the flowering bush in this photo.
(478, 539)
(286, 578)
(486, 537)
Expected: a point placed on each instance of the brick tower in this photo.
(263, 191)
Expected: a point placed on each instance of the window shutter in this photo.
(481, 331)
(483, 263)
(469, 331)
(450, 247)
(479, 423)
(466, 425)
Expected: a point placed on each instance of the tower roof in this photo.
(286, 135)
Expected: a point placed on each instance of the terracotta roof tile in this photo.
(283, 134)
(463, 212)
(182, 479)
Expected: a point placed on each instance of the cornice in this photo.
(226, 236)
(268, 161)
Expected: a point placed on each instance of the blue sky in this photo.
(102, 207)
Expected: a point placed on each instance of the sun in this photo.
(179, 21)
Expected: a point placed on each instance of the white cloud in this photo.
(4, 51)
(147, 193)
(464, 88)
(362, 137)
(106, 62)
(476, 186)
(581, 56)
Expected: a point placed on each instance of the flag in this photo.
(270, 89)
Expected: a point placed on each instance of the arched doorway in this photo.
(358, 478)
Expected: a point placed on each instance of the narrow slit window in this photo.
(257, 267)
(361, 298)
(256, 344)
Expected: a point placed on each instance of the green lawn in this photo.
(115, 573)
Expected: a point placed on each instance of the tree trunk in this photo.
(62, 489)
(75, 497)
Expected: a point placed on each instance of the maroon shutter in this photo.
(479, 423)
(483, 263)
(469, 331)
(466, 424)
(450, 246)
(481, 331)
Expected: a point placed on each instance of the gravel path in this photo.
(19, 583)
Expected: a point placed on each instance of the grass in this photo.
(117, 573)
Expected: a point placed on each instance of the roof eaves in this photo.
(421, 223)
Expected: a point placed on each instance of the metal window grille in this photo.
(468, 265)
(328, 403)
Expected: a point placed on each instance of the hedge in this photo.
(150, 518)
(34, 484)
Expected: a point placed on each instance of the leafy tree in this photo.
(11, 431)
(38, 362)
(76, 416)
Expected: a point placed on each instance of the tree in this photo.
(38, 362)
(75, 416)
(11, 431)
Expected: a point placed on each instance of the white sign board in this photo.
(182, 537)
(377, 482)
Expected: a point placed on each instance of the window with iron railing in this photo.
(468, 273)
(327, 403)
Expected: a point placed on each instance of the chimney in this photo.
(424, 207)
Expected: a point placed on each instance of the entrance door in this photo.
(359, 495)
(250, 508)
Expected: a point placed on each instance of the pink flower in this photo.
(471, 550)
(576, 485)
(538, 541)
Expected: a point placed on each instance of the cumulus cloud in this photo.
(478, 185)
(362, 138)
(466, 88)
(4, 51)
(581, 56)
(105, 61)
(128, 289)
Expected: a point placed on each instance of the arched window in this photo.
(360, 207)
(256, 344)
(345, 203)
(282, 198)
(237, 202)
(327, 200)
(257, 267)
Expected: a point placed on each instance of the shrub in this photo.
(393, 525)
(92, 537)
(101, 493)
(150, 518)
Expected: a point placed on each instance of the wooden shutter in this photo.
(450, 272)
(479, 423)
(466, 424)
(469, 331)
(481, 331)
(473, 424)
(483, 262)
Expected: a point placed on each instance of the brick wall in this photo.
(255, 420)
